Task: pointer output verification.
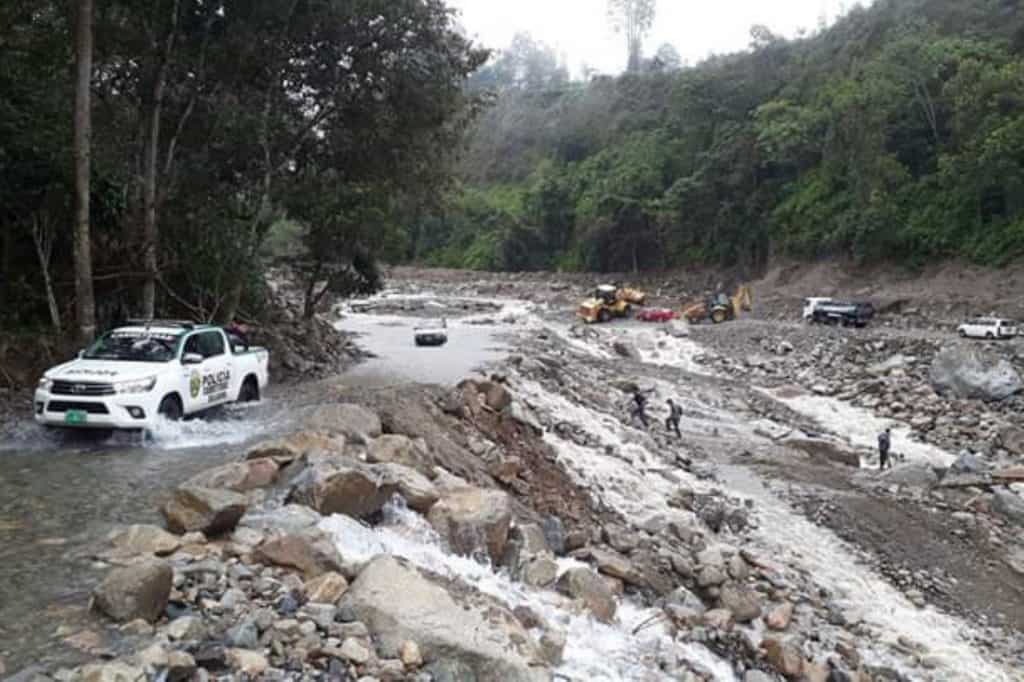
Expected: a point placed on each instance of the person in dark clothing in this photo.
(675, 413)
(883, 450)
(640, 406)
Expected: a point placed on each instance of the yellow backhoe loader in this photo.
(720, 308)
(610, 301)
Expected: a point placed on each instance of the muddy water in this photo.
(60, 495)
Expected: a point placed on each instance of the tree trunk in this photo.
(42, 237)
(85, 304)
(150, 228)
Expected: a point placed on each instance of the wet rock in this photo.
(145, 539)
(247, 662)
(473, 521)
(1008, 505)
(745, 603)
(290, 448)
(186, 628)
(779, 616)
(554, 534)
(136, 591)
(822, 449)
(195, 508)
(398, 450)
(918, 475)
(326, 589)
(552, 646)
(968, 372)
(495, 395)
(239, 476)
(468, 629)
(352, 650)
(245, 635)
(355, 490)
(587, 586)
(783, 655)
(626, 350)
(541, 571)
(419, 493)
(311, 552)
(410, 655)
(292, 518)
(615, 565)
(112, 672)
(355, 422)
(1012, 438)
(712, 576)
(718, 619)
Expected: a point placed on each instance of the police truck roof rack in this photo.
(184, 324)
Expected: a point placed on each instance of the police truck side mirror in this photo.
(191, 359)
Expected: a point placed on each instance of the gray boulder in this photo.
(291, 518)
(136, 591)
(913, 475)
(1008, 504)
(968, 463)
(475, 633)
(474, 520)
(745, 603)
(196, 508)
(591, 589)
(352, 421)
(971, 373)
(352, 489)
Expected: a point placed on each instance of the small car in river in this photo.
(148, 370)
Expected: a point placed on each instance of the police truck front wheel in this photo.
(171, 409)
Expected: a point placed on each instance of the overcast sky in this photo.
(697, 28)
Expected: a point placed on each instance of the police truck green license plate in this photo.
(74, 417)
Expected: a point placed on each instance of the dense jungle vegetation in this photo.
(897, 134)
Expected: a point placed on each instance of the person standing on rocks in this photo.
(675, 413)
(640, 406)
(883, 450)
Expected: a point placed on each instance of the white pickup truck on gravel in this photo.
(134, 375)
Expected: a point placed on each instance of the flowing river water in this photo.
(59, 497)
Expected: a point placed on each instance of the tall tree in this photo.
(633, 19)
(84, 301)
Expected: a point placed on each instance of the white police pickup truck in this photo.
(136, 374)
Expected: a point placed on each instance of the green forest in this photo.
(156, 156)
(895, 135)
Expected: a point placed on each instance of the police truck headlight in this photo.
(45, 384)
(137, 386)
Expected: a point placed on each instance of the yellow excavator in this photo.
(720, 308)
(610, 301)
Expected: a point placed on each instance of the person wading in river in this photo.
(883, 450)
(640, 406)
(675, 413)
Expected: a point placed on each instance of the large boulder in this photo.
(291, 518)
(353, 489)
(1012, 438)
(352, 421)
(626, 350)
(913, 475)
(145, 539)
(744, 603)
(197, 508)
(474, 520)
(398, 450)
(240, 477)
(971, 373)
(311, 552)
(1009, 505)
(591, 589)
(823, 449)
(134, 592)
(293, 446)
(419, 493)
(469, 629)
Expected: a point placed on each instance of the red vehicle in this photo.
(656, 315)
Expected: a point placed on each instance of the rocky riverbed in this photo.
(519, 526)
